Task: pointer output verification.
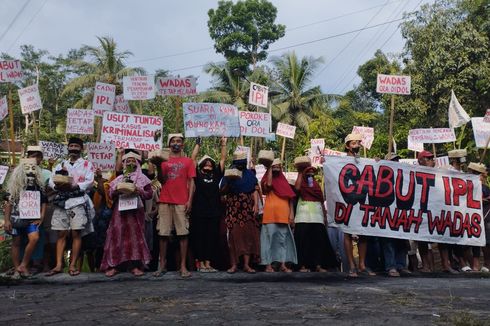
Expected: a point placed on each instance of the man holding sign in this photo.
(24, 212)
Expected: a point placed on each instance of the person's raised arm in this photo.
(267, 185)
(195, 151)
(299, 180)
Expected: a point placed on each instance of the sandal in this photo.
(286, 270)
(232, 270)
(393, 273)
(352, 273)
(52, 272)
(249, 270)
(74, 272)
(212, 270)
(185, 274)
(367, 271)
(160, 272)
(24, 273)
(137, 272)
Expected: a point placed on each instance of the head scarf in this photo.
(308, 193)
(139, 179)
(280, 186)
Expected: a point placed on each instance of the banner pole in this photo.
(7, 141)
(11, 118)
(392, 117)
(177, 107)
(283, 148)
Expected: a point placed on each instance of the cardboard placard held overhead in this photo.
(175, 86)
(432, 135)
(138, 88)
(211, 119)
(481, 132)
(317, 145)
(104, 95)
(102, 156)
(30, 100)
(258, 95)
(80, 121)
(367, 134)
(392, 84)
(132, 131)
(254, 124)
(4, 110)
(53, 150)
(10, 71)
(121, 105)
(285, 130)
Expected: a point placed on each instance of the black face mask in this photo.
(74, 151)
(240, 167)
(355, 150)
(207, 171)
(176, 147)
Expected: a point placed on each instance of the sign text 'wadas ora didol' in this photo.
(174, 86)
(392, 84)
(394, 200)
(211, 119)
(132, 131)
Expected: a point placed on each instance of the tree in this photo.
(243, 31)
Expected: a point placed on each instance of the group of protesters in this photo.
(156, 213)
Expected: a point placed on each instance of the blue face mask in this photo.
(176, 147)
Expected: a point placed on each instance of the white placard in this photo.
(4, 109)
(141, 132)
(30, 100)
(127, 203)
(254, 124)
(260, 171)
(175, 86)
(410, 161)
(442, 161)
(53, 150)
(3, 173)
(317, 145)
(211, 119)
(481, 132)
(80, 121)
(10, 71)
(413, 146)
(393, 84)
(285, 130)
(393, 200)
(121, 105)
(102, 156)
(30, 205)
(367, 134)
(104, 95)
(138, 88)
(432, 135)
(258, 95)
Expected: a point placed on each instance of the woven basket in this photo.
(59, 179)
(233, 174)
(162, 154)
(126, 187)
(266, 157)
(302, 162)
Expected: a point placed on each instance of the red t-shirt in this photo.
(178, 171)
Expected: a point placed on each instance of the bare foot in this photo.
(269, 269)
(232, 270)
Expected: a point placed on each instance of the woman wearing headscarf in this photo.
(207, 208)
(125, 242)
(276, 238)
(241, 214)
(310, 232)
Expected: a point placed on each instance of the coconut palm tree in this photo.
(106, 64)
(295, 103)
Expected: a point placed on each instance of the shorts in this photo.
(169, 216)
(26, 230)
(74, 218)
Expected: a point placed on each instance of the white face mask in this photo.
(30, 168)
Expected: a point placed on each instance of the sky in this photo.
(173, 35)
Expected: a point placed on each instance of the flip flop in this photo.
(52, 272)
(231, 271)
(74, 272)
(367, 272)
(250, 271)
(160, 272)
(352, 273)
(185, 274)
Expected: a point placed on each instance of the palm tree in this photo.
(106, 65)
(293, 103)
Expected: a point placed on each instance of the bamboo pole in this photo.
(11, 118)
(392, 118)
(482, 157)
(283, 148)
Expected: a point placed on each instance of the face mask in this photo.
(207, 171)
(74, 152)
(355, 150)
(176, 147)
(240, 167)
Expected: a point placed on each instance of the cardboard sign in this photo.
(316, 158)
(104, 95)
(410, 161)
(3, 173)
(30, 100)
(132, 131)
(80, 121)
(442, 161)
(30, 205)
(367, 134)
(255, 124)
(121, 105)
(10, 71)
(102, 156)
(127, 203)
(392, 84)
(481, 132)
(432, 135)
(53, 150)
(173, 86)
(211, 119)
(291, 176)
(4, 109)
(260, 171)
(317, 145)
(285, 130)
(258, 95)
(138, 88)
(393, 200)
(413, 146)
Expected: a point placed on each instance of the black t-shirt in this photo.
(207, 201)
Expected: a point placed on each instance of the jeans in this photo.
(395, 253)
(336, 237)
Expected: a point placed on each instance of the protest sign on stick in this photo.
(132, 131)
(393, 200)
(102, 156)
(104, 95)
(254, 124)
(432, 135)
(258, 95)
(211, 119)
(367, 134)
(80, 121)
(3, 173)
(121, 105)
(286, 131)
(175, 86)
(10, 71)
(4, 109)
(138, 88)
(30, 100)
(52, 150)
